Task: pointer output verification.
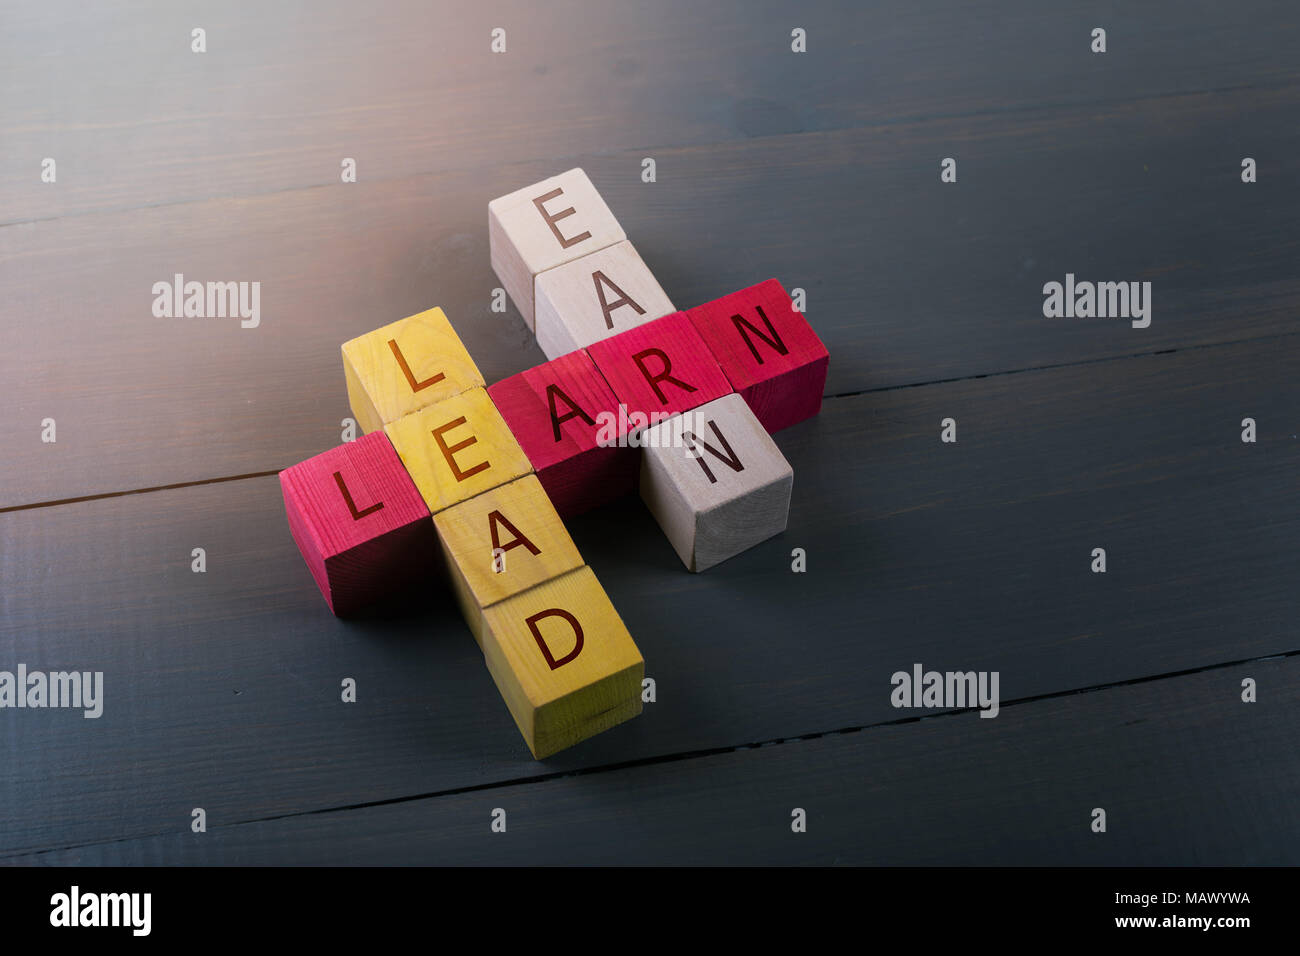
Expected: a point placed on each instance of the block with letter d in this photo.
(359, 522)
(563, 660)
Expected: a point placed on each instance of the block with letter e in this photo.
(563, 660)
(769, 352)
(659, 369)
(715, 481)
(359, 522)
(456, 449)
(500, 543)
(566, 419)
(543, 226)
(404, 366)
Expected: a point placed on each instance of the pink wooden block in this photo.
(769, 352)
(359, 522)
(557, 412)
(660, 368)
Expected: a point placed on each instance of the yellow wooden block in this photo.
(458, 448)
(405, 366)
(502, 542)
(563, 661)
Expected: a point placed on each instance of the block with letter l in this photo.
(404, 366)
(359, 522)
(769, 352)
(563, 660)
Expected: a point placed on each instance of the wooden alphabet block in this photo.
(502, 542)
(591, 298)
(769, 352)
(359, 522)
(565, 417)
(659, 369)
(456, 449)
(545, 225)
(405, 366)
(563, 661)
(715, 481)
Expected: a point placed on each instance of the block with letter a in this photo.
(594, 297)
(502, 542)
(715, 481)
(359, 522)
(563, 660)
(565, 418)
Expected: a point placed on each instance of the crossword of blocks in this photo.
(474, 481)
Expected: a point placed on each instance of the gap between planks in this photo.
(854, 394)
(674, 757)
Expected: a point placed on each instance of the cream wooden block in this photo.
(563, 660)
(715, 481)
(501, 543)
(592, 298)
(543, 226)
(457, 449)
(405, 366)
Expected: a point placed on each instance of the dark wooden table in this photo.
(1120, 690)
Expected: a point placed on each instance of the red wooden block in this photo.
(359, 522)
(769, 352)
(660, 369)
(565, 418)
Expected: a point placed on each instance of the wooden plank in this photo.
(1187, 773)
(279, 98)
(908, 280)
(223, 689)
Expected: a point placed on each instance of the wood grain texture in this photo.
(359, 523)
(767, 350)
(715, 481)
(810, 209)
(542, 226)
(912, 793)
(594, 297)
(277, 107)
(502, 542)
(558, 412)
(974, 556)
(458, 448)
(563, 660)
(404, 366)
(222, 688)
(659, 369)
